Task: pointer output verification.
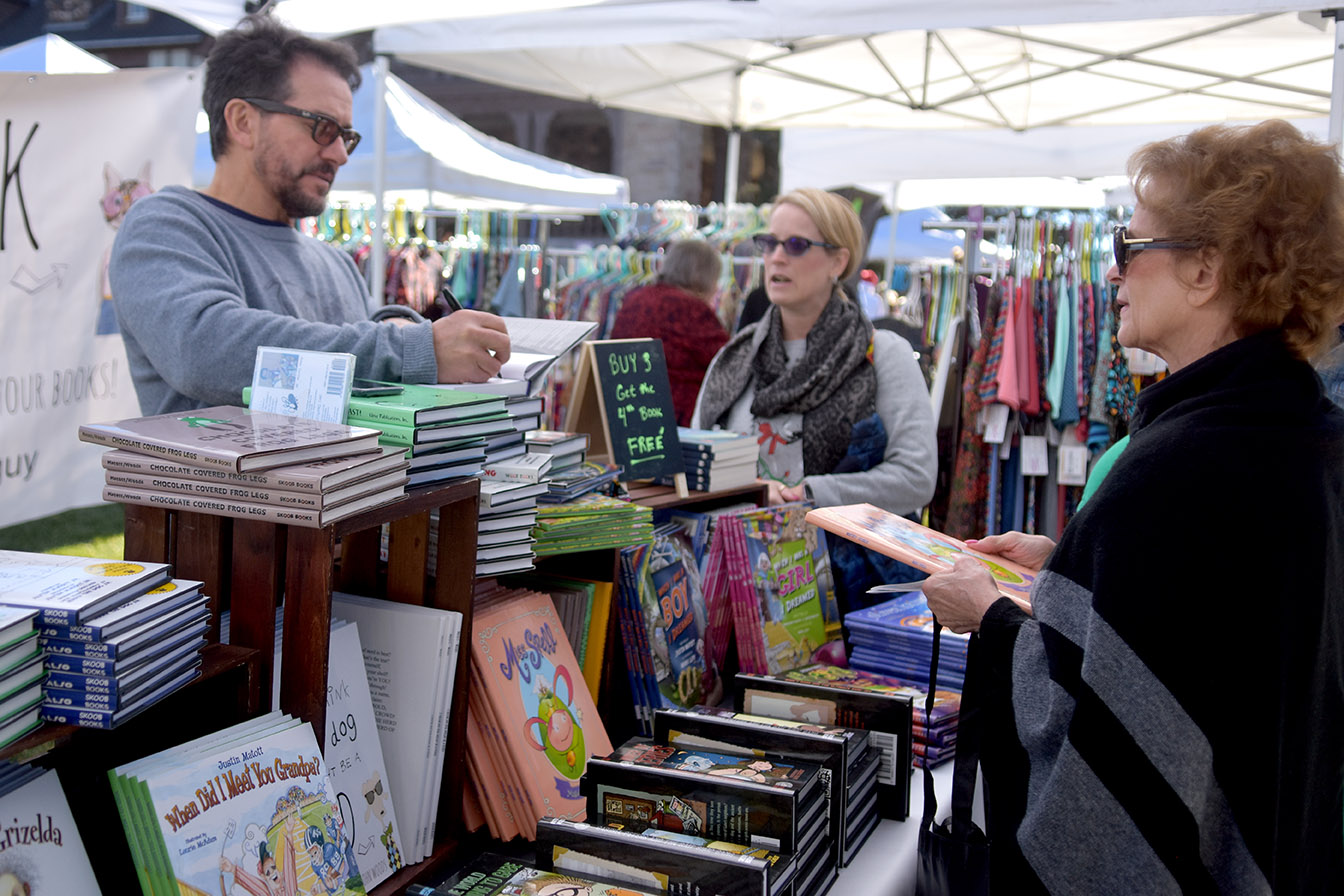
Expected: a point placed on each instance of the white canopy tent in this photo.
(51, 53)
(932, 74)
(429, 149)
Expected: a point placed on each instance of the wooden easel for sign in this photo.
(607, 426)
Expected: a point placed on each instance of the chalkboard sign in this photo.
(634, 423)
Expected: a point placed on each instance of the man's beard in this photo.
(285, 185)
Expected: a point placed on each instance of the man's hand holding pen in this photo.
(470, 346)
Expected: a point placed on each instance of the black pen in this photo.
(450, 300)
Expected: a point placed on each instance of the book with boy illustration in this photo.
(919, 546)
(248, 804)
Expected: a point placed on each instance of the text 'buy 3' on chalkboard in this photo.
(623, 400)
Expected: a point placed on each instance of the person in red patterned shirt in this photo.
(677, 309)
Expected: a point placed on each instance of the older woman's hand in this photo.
(1029, 550)
(961, 595)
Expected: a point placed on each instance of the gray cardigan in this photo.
(903, 482)
(198, 286)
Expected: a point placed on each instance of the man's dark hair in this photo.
(254, 60)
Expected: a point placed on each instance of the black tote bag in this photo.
(954, 855)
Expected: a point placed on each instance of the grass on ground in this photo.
(97, 531)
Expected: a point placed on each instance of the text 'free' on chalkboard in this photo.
(635, 424)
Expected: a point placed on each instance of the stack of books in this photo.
(531, 723)
(845, 753)
(834, 695)
(247, 464)
(257, 797)
(895, 639)
(567, 449)
(21, 673)
(442, 432)
(589, 522)
(661, 610)
(491, 874)
(717, 459)
(665, 861)
(779, 804)
(116, 636)
(581, 479)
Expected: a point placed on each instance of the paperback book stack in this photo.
(410, 661)
(780, 805)
(664, 861)
(247, 464)
(238, 808)
(531, 723)
(116, 636)
(772, 577)
(661, 610)
(895, 639)
(443, 432)
(589, 522)
(42, 850)
(583, 478)
(717, 459)
(522, 477)
(848, 764)
(567, 449)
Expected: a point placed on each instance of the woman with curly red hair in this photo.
(1170, 712)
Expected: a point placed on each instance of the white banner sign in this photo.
(75, 151)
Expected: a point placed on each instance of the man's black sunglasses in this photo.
(794, 245)
(1126, 246)
(325, 128)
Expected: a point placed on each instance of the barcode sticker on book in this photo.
(338, 379)
(300, 383)
(886, 745)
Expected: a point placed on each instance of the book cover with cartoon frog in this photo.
(534, 684)
(259, 813)
(790, 572)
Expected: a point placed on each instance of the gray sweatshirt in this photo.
(199, 285)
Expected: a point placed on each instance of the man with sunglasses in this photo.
(203, 278)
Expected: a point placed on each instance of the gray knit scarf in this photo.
(833, 385)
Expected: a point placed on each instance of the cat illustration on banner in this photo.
(118, 195)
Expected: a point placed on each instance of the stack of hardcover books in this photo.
(589, 522)
(717, 459)
(531, 723)
(491, 874)
(661, 610)
(580, 479)
(22, 672)
(836, 696)
(567, 449)
(247, 464)
(843, 753)
(667, 861)
(116, 636)
(255, 799)
(781, 805)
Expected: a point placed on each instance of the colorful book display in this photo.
(895, 639)
(836, 696)
(494, 875)
(250, 804)
(530, 710)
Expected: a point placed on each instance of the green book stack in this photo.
(589, 522)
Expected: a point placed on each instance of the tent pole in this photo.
(734, 143)
(378, 248)
(1336, 133)
(893, 214)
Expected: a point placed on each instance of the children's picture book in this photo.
(40, 850)
(489, 874)
(256, 809)
(67, 590)
(153, 604)
(533, 684)
(308, 517)
(420, 405)
(232, 438)
(783, 588)
(921, 547)
(354, 753)
(302, 383)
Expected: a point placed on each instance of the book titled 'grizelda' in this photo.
(232, 438)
